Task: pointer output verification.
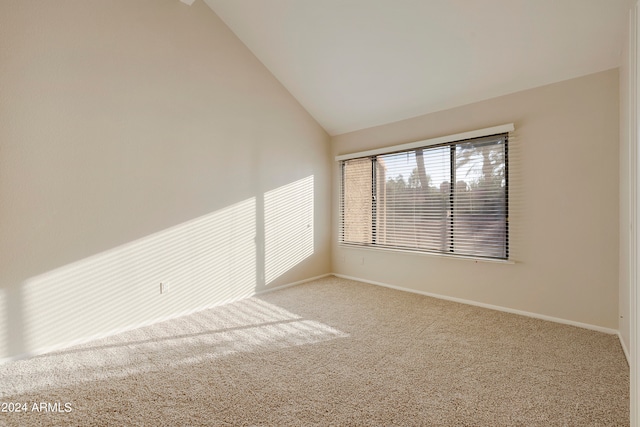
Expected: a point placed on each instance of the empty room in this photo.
(319, 212)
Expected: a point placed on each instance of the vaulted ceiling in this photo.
(354, 64)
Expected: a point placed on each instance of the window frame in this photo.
(452, 142)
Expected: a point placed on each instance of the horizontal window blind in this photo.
(450, 198)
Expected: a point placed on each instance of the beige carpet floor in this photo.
(330, 352)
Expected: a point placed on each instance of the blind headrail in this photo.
(432, 141)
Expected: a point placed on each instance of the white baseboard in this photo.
(489, 306)
(288, 285)
(84, 340)
(624, 349)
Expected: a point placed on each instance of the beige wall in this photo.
(564, 204)
(141, 142)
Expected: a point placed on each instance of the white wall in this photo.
(141, 142)
(564, 181)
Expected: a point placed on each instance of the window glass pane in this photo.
(413, 203)
(357, 209)
(479, 213)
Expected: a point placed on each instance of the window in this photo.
(449, 198)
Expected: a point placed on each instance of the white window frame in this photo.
(459, 137)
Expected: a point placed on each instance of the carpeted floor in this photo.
(330, 352)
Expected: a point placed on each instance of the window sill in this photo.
(427, 254)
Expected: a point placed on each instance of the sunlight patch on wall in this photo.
(288, 213)
(244, 326)
(206, 261)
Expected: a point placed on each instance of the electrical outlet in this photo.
(164, 287)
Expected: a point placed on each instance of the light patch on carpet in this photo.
(244, 326)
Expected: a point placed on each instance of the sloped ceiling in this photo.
(354, 64)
